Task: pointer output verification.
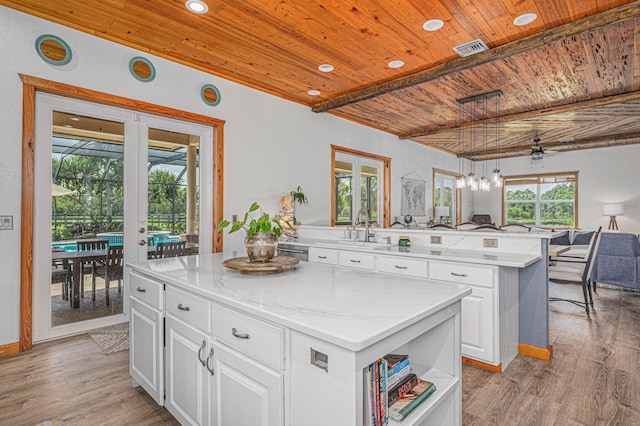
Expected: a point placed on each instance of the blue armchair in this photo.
(618, 260)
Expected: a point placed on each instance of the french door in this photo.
(112, 180)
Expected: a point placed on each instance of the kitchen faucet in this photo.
(367, 235)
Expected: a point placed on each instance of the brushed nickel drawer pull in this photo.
(458, 275)
(141, 289)
(400, 267)
(207, 363)
(322, 257)
(200, 358)
(234, 331)
(183, 308)
(354, 261)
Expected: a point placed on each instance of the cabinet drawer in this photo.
(402, 266)
(322, 255)
(264, 342)
(146, 290)
(462, 273)
(189, 308)
(354, 259)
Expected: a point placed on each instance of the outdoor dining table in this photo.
(77, 258)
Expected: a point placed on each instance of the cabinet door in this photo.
(186, 375)
(146, 354)
(479, 325)
(243, 391)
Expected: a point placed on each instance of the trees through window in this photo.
(548, 201)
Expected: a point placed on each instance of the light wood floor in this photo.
(71, 382)
(593, 378)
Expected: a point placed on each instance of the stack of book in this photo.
(394, 391)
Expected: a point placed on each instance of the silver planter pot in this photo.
(261, 247)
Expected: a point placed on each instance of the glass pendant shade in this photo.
(497, 178)
(461, 182)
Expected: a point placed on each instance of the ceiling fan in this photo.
(537, 151)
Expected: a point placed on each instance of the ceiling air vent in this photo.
(471, 48)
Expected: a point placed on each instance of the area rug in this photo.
(111, 339)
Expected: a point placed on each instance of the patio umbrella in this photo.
(59, 191)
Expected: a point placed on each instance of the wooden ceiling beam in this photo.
(589, 23)
(583, 143)
(591, 103)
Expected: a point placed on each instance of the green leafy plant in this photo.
(265, 223)
(298, 196)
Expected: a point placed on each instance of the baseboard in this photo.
(535, 351)
(494, 368)
(10, 349)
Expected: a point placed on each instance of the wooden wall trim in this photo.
(10, 349)
(535, 351)
(26, 216)
(484, 365)
(31, 85)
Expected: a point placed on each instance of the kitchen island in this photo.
(287, 349)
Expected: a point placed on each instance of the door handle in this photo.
(200, 358)
(142, 242)
(183, 308)
(141, 289)
(207, 363)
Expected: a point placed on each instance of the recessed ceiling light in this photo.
(197, 6)
(396, 64)
(325, 68)
(525, 19)
(68, 125)
(432, 25)
(567, 139)
(313, 92)
(74, 119)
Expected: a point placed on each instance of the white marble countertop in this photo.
(516, 260)
(352, 309)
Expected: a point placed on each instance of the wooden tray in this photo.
(275, 266)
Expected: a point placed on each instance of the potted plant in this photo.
(262, 233)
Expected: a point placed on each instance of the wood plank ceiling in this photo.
(570, 78)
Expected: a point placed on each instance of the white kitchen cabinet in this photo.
(357, 260)
(402, 266)
(244, 391)
(146, 357)
(188, 349)
(187, 353)
(323, 255)
(489, 314)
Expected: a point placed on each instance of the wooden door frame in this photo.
(32, 85)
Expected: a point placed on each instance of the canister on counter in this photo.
(404, 241)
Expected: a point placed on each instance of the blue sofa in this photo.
(617, 261)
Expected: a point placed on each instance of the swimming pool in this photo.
(115, 239)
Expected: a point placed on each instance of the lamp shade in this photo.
(442, 211)
(613, 209)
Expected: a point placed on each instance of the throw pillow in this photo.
(582, 238)
(561, 240)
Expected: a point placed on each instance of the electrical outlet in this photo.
(490, 242)
(6, 223)
(436, 239)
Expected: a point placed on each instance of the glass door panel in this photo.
(173, 193)
(87, 215)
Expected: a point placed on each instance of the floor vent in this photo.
(471, 48)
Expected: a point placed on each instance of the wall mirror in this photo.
(53, 50)
(210, 94)
(142, 69)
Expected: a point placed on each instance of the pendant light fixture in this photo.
(479, 110)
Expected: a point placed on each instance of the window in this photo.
(360, 181)
(541, 200)
(445, 194)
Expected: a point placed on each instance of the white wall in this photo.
(271, 145)
(605, 175)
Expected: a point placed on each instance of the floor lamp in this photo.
(613, 210)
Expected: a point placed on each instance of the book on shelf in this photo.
(411, 400)
(397, 368)
(402, 388)
(398, 376)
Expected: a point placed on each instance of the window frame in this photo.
(383, 193)
(458, 194)
(529, 179)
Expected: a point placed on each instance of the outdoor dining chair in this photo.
(95, 267)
